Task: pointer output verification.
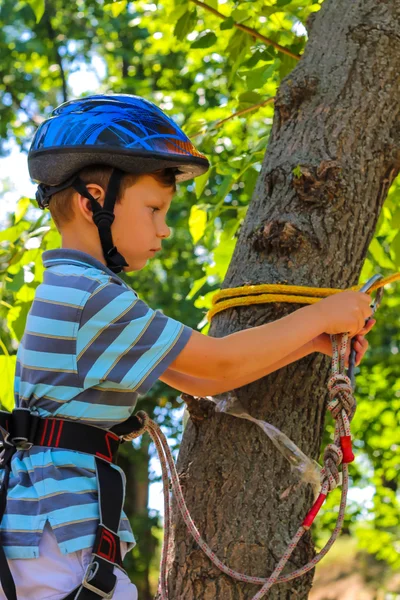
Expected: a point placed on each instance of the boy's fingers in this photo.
(369, 325)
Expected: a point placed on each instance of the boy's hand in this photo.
(323, 343)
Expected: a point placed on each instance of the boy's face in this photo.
(140, 221)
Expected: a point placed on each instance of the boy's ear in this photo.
(83, 204)
(96, 191)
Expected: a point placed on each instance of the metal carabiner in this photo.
(375, 305)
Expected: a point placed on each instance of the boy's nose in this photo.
(165, 232)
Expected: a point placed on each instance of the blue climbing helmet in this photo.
(126, 132)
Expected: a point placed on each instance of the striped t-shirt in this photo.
(90, 347)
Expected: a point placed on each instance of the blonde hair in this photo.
(60, 205)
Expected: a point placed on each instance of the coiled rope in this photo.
(265, 293)
(341, 404)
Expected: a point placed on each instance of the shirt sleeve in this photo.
(123, 341)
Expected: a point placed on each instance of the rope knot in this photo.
(143, 418)
(341, 396)
(330, 475)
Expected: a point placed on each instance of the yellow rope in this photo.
(264, 293)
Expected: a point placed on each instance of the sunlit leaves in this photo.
(7, 371)
(22, 206)
(38, 7)
(115, 7)
(197, 222)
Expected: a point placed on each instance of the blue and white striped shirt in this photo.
(90, 347)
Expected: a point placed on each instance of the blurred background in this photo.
(214, 67)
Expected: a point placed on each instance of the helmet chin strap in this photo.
(103, 217)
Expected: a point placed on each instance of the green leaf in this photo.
(238, 45)
(222, 256)
(38, 7)
(7, 372)
(205, 40)
(297, 172)
(250, 98)
(116, 7)
(238, 53)
(239, 16)
(395, 248)
(262, 144)
(227, 24)
(17, 281)
(11, 234)
(16, 319)
(201, 182)
(197, 222)
(256, 78)
(20, 211)
(176, 14)
(395, 224)
(52, 239)
(204, 301)
(213, 4)
(185, 24)
(287, 64)
(283, 2)
(380, 255)
(26, 293)
(196, 287)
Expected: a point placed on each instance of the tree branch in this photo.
(52, 37)
(33, 120)
(238, 113)
(253, 32)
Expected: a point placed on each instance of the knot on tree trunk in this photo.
(292, 93)
(199, 409)
(318, 185)
(279, 237)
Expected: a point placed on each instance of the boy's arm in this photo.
(238, 356)
(197, 386)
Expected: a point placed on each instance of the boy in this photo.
(91, 346)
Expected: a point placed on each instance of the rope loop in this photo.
(341, 396)
(144, 419)
(330, 476)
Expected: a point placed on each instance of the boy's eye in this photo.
(154, 208)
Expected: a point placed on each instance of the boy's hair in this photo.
(60, 205)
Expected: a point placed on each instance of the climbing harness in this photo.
(22, 428)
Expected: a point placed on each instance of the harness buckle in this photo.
(91, 571)
(5, 445)
(21, 443)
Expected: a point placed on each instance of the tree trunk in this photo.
(337, 120)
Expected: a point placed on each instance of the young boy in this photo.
(91, 346)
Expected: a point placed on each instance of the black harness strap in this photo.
(99, 579)
(103, 217)
(23, 429)
(6, 579)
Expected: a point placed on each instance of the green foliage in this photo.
(211, 77)
(7, 370)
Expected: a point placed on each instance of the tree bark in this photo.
(336, 120)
